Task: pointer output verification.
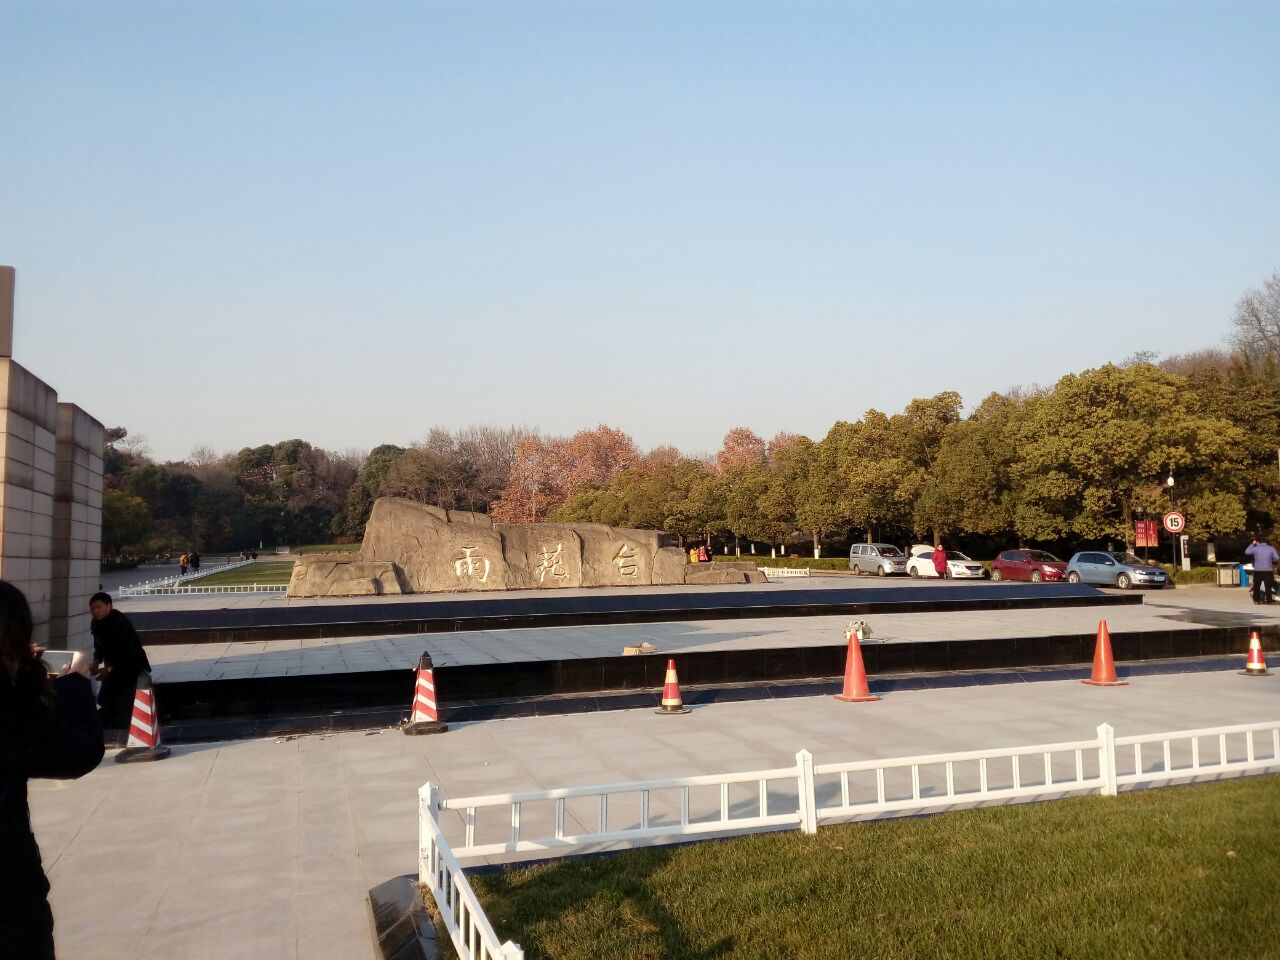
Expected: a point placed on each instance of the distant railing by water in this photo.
(169, 586)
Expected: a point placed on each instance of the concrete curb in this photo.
(398, 919)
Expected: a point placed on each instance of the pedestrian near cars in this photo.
(940, 561)
(118, 661)
(47, 729)
(182, 565)
(194, 561)
(1264, 558)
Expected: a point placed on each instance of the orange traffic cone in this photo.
(855, 674)
(671, 702)
(144, 727)
(423, 716)
(1104, 665)
(1255, 665)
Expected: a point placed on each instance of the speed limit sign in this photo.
(1174, 521)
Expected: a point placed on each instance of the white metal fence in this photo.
(785, 571)
(439, 872)
(162, 591)
(170, 586)
(804, 795)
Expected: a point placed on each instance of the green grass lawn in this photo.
(1180, 872)
(327, 548)
(264, 572)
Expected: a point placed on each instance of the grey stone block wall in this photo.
(28, 449)
(50, 495)
(77, 525)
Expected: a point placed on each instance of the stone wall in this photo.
(411, 547)
(28, 446)
(77, 525)
(50, 495)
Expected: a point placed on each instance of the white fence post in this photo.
(808, 795)
(427, 798)
(511, 952)
(1107, 758)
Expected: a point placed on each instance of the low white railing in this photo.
(134, 590)
(1181, 755)
(785, 571)
(897, 785)
(439, 872)
(160, 591)
(646, 824)
(977, 776)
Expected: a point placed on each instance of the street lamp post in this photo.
(1146, 542)
(1169, 485)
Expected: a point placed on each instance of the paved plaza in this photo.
(266, 848)
(1182, 609)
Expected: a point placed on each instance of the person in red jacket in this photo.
(940, 562)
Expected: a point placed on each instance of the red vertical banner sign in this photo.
(1147, 533)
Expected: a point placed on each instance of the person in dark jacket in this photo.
(48, 728)
(118, 659)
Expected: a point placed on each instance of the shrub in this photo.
(819, 563)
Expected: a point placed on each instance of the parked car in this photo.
(882, 559)
(1122, 570)
(1033, 565)
(958, 566)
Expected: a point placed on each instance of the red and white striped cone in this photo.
(144, 727)
(423, 715)
(671, 702)
(1256, 664)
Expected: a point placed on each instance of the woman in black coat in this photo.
(48, 728)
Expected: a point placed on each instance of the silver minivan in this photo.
(882, 559)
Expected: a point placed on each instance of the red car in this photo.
(1034, 565)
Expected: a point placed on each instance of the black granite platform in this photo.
(262, 706)
(549, 610)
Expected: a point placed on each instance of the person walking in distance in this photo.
(47, 729)
(940, 561)
(118, 659)
(1264, 558)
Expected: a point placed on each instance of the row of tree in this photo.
(1077, 462)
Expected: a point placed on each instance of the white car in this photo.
(959, 567)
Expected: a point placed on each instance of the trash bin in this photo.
(1229, 574)
(1245, 570)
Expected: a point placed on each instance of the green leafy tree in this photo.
(1092, 452)
(126, 521)
(970, 485)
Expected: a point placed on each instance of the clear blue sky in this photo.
(237, 223)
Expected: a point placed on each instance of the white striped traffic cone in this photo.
(423, 716)
(671, 702)
(144, 727)
(1256, 664)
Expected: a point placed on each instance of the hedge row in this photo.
(820, 563)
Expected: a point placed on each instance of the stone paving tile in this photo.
(175, 663)
(265, 848)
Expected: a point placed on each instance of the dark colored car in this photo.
(1033, 565)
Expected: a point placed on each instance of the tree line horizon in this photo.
(1071, 464)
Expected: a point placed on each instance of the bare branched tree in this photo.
(202, 456)
(1257, 321)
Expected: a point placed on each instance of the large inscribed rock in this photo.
(414, 548)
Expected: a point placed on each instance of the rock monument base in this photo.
(411, 547)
